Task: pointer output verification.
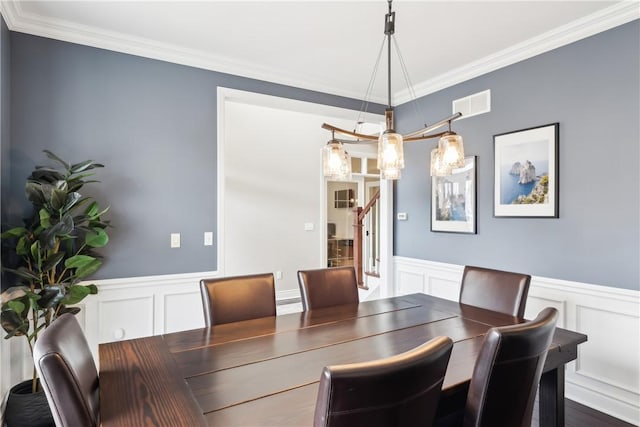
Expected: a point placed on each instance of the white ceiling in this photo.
(329, 46)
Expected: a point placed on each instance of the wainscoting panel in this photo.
(606, 375)
(125, 319)
(179, 312)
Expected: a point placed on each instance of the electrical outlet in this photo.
(175, 240)
(402, 216)
(278, 275)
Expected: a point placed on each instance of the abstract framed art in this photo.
(526, 173)
(453, 200)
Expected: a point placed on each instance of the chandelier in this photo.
(447, 155)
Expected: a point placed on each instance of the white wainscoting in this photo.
(606, 375)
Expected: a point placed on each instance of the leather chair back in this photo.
(327, 287)
(507, 372)
(68, 373)
(399, 391)
(495, 290)
(232, 299)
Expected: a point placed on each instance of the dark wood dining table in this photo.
(265, 372)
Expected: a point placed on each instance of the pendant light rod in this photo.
(389, 29)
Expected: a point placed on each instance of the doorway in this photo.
(343, 199)
(272, 219)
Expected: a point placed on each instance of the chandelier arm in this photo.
(349, 133)
(423, 137)
(434, 126)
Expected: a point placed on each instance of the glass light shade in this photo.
(438, 166)
(336, 162)
(451, 150)
(390, 155)
(345, 170)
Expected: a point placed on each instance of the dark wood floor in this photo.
(577, 415)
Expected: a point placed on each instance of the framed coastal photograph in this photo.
(526, 173)
(453, 200)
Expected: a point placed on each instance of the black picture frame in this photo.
(526, 173)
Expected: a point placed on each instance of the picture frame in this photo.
(526, 173)
(453, 200)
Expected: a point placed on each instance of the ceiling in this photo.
(328, 46)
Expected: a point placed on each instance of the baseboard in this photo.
(601, 378)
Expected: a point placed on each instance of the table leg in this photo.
(551, 398)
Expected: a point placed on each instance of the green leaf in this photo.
(21, 246)
(14, 232)
(75, 294)
(86, 165)
(45, 218)
(35, 193)
(25, 273)
(92, 210)
(66, 225)
(35, 253)
(52, 261)
(13, 324)
(16, 306)
(97, 238)
(89, 269)
(51, 296)
(58, 198)
(64, 309)
(58, 159)
(72, 199)
(78, 261)
(45, 175)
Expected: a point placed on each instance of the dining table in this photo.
(266, 372)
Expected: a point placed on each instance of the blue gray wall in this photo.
(153, 125)
(592, 88)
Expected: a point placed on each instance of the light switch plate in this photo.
(175, 240)
(208, 238)
(402, 216)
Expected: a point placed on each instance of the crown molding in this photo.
(20, 21)
(603, 20)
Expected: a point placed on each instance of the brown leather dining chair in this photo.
(68, 373)
(325, 287)
(236, 298)
(507, 372)
(495, 290)
(399, 391)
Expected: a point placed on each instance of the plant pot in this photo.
(26, 409)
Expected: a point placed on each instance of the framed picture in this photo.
(453, 200)
(526, 173)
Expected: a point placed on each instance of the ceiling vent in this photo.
(472, 105)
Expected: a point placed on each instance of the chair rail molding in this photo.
(606, 380)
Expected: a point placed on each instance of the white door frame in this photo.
(225, 95)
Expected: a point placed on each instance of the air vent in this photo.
(472, 105)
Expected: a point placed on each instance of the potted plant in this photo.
(47, 259)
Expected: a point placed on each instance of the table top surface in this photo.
(266, 371)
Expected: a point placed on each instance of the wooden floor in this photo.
(577, 415)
